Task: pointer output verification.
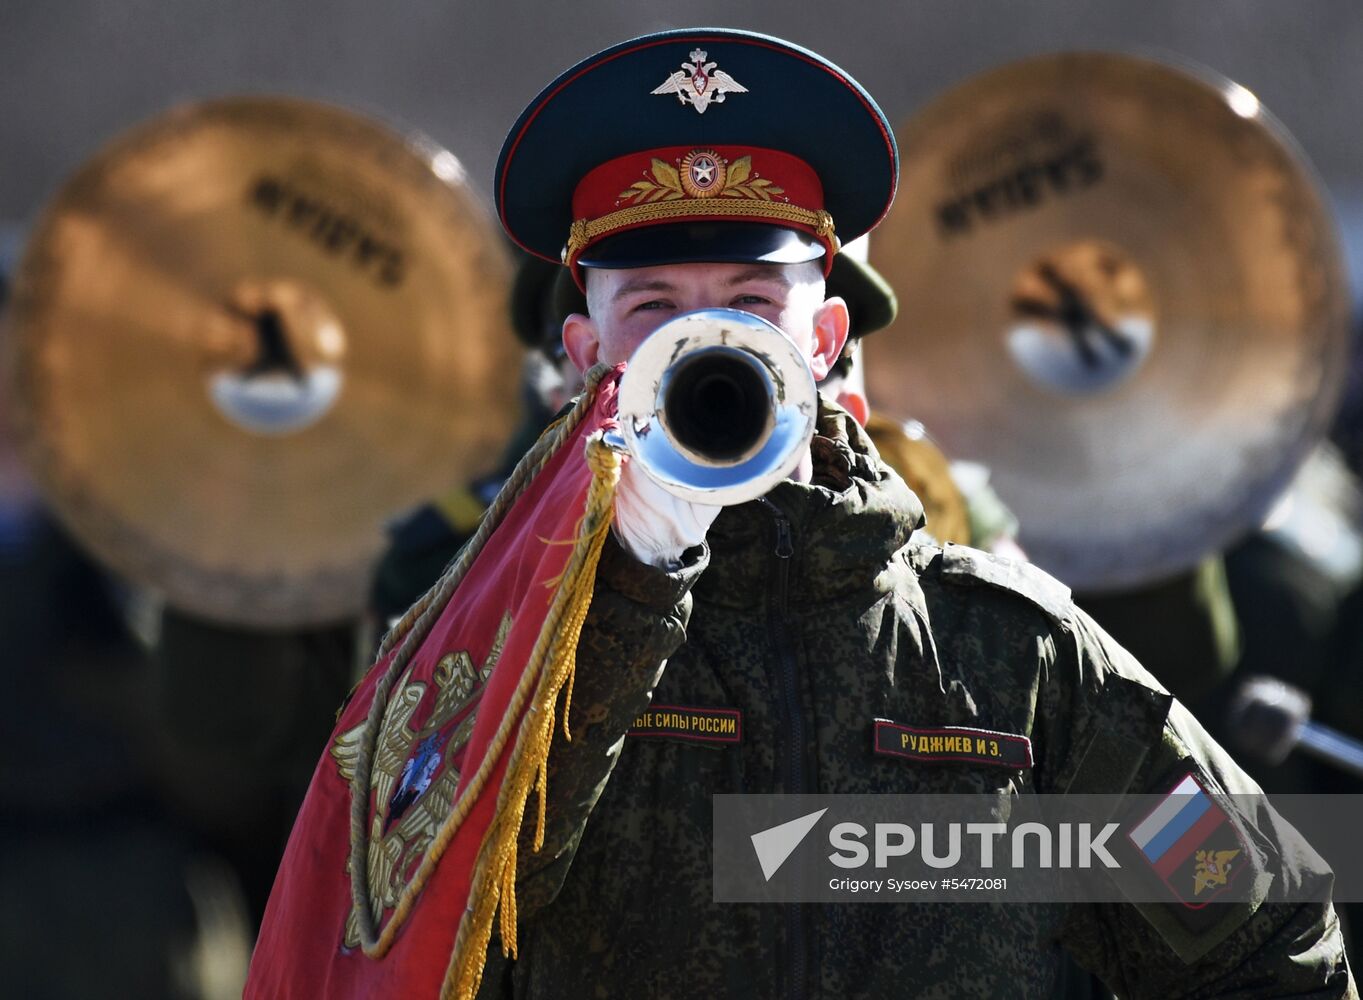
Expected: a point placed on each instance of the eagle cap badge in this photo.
(699, 82)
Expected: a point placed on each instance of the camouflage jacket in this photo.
(813, 612)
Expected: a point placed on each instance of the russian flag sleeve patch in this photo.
(1191, 844)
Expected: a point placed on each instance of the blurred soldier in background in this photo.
(238, 716)
(1198, 642)
(106, 894)
(220, 289)
(1341, 704)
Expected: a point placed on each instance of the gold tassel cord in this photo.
(554, 660)
(411, 631)
(530, 465)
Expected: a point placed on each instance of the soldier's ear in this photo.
(581, 341)
(830, 333)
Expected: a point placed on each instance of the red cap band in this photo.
(688, 183)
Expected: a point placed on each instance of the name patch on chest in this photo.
(704, 725)
(952, 743)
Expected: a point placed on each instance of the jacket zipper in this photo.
(793, 778)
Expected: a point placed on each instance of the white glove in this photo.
(655, 526)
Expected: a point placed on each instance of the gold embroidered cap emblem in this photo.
(699, 84)
(702, 173)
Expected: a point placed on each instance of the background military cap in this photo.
(871, 302)
(542, 296)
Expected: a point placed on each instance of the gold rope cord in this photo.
(413, 629)
(582, 232)
(554, 660)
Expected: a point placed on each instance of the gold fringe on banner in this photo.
(550, 669)
(554, 659)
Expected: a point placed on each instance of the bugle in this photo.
(717, 406)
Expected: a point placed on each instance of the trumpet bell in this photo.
(717, 406)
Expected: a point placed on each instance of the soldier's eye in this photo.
(652, 304)
(752, 300)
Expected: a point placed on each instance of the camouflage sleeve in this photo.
(637, 620)
(1128, 735)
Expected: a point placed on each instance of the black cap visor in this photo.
(703, 243)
